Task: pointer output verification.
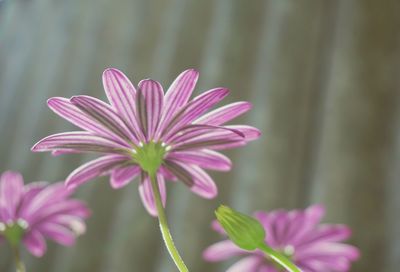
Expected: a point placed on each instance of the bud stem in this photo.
(169, 243)
(279, 258)
(19, 265)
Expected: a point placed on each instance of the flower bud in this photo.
(245, 231)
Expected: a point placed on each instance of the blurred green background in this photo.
(324, 78)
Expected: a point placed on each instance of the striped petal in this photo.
(211, 140)
(219, 138)
(196, 178)
(194, 130)
(64, 108)
(177, 96)
(250, 133)
(224, 114)
(11, 192)
(124, 175)
(149, 103)
(77, 140)
(35, 243)
(147, 195)
(105, 115)
(122, 95)
(206, 159)
(94, 169)
(194, 109)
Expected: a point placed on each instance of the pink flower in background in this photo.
(298, 234)
(143, 130)
(31, 213)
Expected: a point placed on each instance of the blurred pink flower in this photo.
(298, 234)
(31, 213)
(144, 129)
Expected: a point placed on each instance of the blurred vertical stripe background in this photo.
(324, 79)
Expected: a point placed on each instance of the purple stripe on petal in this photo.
(206, 159)
(124, 175)
(250, 133)
(147, 195)
(35, 243)
(210, 140)
(11, 192)
(203, 185)
(94, 169)
(64, 108)
(177, 96)
(194, 130)
(194, 110)
(77, 140)
(224, 114)
(150, 99)
(122, 95)
(106, 117)
(178, 171)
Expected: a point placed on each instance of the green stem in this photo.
(280, 259)
(164, 227)
(20, 267)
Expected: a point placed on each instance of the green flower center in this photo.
(150, 156)
(14, 232)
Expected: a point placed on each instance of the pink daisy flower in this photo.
(144, 130)
(298, 234)
(31, 213)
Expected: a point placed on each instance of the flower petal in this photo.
(51, 212)
(224, 114)
(40, 196)
(196, 178)
(11, 192)
(122, 95)
(147, 195)
(326, 233)
(57, 233)
(248, 264)
(250, 133)
(149, 103)
(35, 243)
(217, 139)
(205, 158)
(124, 175)
(194, 109)
(222, 251)
(94, 169)
(77, 140)
(106, 117)
(177, 96)
(64, 108)
(194, 130)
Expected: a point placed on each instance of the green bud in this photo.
(245, 231)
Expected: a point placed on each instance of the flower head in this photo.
(144, 131)
(297, 234)
(31, 213)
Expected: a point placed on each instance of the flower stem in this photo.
(279, 258)
(19, 265)
(169, 243)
